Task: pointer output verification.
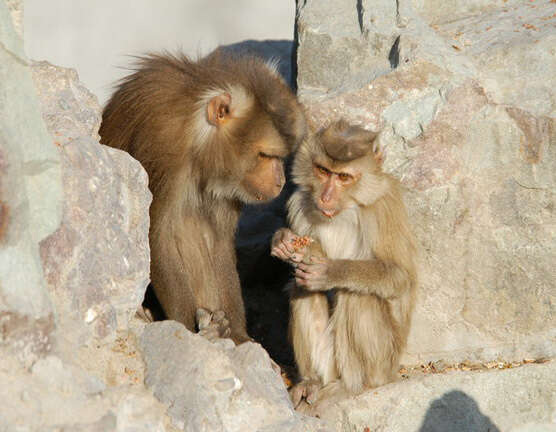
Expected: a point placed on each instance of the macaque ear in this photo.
(218, 109)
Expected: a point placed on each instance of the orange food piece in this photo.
(300, 242)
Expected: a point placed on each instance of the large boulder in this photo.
(518, 399)
(213, 387)
(73, 257)
(97, 263)
(467, 111)
(30, 205)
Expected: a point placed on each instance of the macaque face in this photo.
(332, 185)
(266, 180)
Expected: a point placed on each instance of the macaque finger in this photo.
(278, 253)
(203, 318)
(296, 394)
(288, 246)
(219, 316)
(312, 393)
(307, 268)
(301, 273)
(297, 257)
(284, 251)
(210, 333)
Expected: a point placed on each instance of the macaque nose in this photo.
(327, 193)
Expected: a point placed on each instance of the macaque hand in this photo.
(282, 246)
(313, 275)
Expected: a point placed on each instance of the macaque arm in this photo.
(378, 277)
(374, 276)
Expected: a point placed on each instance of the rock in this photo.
(216, 387)
(468, 126)
(68, 108)
(97, 263)
(512, 52)
(57, 395)
(504, 400)
(74, 258)
(30, 205)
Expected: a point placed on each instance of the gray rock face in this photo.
(216, 387)
(72, 214)
(507, 400)
(467, 113)
(30, 204)
(97, 263)
(57, 395)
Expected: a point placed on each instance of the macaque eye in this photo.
(345, 177)
(322, 170)
(263, 155)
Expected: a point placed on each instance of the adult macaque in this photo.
(212, 135)
(355, 281)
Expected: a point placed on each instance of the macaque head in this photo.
(251, 127)
(339, 168)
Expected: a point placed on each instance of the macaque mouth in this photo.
(328, 213)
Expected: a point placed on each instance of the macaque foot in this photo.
(212, 325)
(144, 314)
(305, 393)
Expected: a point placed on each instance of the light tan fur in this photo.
(212, 135)
(348, 333)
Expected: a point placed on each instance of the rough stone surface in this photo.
(467, 113)
(66, 203)
(68, 108)
(217, 387)
(30, 204)
(508, 400)
(97, 263)
(60, 395)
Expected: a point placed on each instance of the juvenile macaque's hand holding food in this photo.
(288, 246)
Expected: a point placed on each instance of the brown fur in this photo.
(349, 329)
(212, 135)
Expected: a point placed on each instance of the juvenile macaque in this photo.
(212, 135)
(355, 279)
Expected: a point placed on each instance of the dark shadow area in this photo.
(456, 412)
(280, 51)
(264, 277)
(151, 303)
(394, 55)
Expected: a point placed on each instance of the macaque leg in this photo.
(370, 359)
(312, 342)
(224, 302)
